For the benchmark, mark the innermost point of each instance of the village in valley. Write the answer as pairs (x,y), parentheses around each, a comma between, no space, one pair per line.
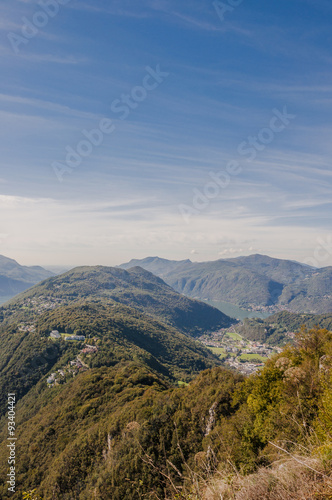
(243,355)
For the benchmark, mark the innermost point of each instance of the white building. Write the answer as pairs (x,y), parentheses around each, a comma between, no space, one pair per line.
(55,334)
(75,337)
(51,378)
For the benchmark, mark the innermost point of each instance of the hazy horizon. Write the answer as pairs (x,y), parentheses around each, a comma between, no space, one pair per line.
(49,266)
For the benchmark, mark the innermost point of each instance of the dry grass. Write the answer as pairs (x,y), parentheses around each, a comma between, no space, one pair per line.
(291,479)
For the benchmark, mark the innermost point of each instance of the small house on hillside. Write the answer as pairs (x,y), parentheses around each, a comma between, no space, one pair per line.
(51,378)
(89,349)
(55,334)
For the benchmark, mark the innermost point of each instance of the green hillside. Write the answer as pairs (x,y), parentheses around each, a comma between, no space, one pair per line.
(104,285)
(115,402)
(123,431)
(92,435)
(135,348)
(120,334)
(274,329)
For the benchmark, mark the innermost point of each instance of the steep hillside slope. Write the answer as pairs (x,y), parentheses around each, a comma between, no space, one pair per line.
(119,333)
(94,436)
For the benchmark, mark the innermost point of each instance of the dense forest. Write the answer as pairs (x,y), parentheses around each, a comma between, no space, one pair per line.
(124,432)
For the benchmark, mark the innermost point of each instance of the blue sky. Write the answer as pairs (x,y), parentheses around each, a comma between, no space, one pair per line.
(134,194)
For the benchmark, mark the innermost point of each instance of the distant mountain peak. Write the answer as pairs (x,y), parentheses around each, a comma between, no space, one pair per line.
(15,278)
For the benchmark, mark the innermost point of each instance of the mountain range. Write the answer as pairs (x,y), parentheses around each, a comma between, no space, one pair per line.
(15,278)
(256,281)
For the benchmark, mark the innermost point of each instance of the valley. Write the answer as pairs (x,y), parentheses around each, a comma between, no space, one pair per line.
(243,355)
(15,278)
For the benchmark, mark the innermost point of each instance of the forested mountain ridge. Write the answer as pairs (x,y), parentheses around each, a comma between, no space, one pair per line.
(249,282)
(120,334)
(96,337)
(136,288)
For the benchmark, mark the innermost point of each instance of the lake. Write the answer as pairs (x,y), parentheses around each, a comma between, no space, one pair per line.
(235,311)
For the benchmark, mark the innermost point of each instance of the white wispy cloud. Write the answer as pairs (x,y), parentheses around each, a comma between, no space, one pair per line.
(47,106)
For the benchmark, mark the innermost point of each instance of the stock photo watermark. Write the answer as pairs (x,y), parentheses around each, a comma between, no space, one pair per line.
(223,8)
(95,137)
(31,27)
(11,475)
(248,149)
(322,252)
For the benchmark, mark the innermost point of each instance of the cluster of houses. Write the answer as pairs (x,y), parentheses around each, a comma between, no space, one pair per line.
(237,350)
(27,328)
(89,349)
(77,363)
(244,368)
(42,303)
(75,366)
(275,308)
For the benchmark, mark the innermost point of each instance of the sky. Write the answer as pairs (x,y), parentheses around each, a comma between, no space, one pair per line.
(192,129)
